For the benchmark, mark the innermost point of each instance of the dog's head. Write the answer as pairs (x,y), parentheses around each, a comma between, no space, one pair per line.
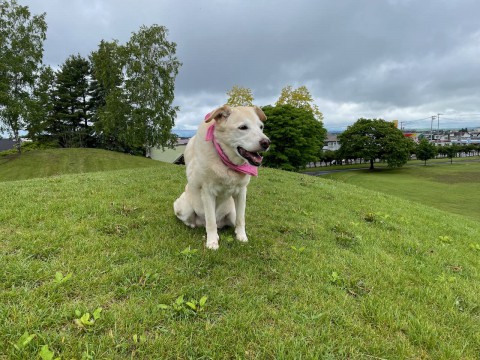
(241,130)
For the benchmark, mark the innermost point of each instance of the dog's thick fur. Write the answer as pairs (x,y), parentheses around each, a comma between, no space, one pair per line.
(215,195)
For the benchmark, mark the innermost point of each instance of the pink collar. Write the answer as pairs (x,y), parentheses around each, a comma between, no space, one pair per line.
(245,168)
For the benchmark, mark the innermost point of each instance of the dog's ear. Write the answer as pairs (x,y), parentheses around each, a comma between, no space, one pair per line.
(222,113)
(260,113)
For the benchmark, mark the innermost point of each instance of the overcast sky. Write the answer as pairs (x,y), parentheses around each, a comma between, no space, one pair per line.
(395,59)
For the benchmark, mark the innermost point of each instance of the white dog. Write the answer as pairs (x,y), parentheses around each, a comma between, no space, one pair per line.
(219,161)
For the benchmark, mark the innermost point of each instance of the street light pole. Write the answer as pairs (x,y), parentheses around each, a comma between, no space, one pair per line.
(431,127)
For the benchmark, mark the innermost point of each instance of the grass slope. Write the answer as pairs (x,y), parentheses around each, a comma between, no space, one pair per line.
(331,271)
(43,163)
(450,187)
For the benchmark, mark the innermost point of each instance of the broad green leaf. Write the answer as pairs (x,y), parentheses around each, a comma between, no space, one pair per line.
(24,340)
(58,276)
(96,313)
(45,353)
(85,320)
(191,305)
(202,301)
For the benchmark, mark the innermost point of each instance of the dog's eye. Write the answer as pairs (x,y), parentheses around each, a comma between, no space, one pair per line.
(243,127)
(261,127)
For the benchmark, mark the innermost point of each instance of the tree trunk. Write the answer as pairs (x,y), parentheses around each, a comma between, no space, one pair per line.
(18,145)
(371,164)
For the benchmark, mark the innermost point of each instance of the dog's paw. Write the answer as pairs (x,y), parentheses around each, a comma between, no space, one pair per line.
(212,245)
(212,242)
(241,236)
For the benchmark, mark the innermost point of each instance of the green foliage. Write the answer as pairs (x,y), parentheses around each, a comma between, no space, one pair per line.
(60,279)
(150,71)
(425,150)
(24,340)
(86,321)
(300,98)
(451,151)
(182,308)
(372,139)
(42,110)
(296,137)
(70,121)
(30,146)
(47,354)
(133,90)
(21,50)
(240,96)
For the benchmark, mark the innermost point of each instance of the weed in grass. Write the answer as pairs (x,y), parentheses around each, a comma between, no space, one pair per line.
(60,279)
(24,340)
(445,239)
(443,278)
(47,354)
(335,279)
(475,247)
(298,249)
(188,252)
(86,321)
(376,217)
(182,309)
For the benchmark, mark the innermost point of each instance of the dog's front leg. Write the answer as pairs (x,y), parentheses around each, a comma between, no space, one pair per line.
(240,203)
(210,219)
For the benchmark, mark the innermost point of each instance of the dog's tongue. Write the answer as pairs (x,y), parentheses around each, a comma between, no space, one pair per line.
(257,158)
(253,158)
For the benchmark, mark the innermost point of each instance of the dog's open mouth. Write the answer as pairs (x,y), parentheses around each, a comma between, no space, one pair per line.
(253,158)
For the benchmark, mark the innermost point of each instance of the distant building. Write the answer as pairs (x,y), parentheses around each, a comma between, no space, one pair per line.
(331,143)
(172,156)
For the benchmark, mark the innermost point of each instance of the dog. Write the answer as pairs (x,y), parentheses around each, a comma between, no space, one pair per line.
(220,159)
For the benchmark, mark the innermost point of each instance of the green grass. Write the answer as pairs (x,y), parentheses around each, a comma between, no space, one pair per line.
(331,271)
(43,163)
(450,187)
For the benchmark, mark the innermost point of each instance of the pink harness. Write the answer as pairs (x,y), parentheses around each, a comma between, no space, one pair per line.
(245,168)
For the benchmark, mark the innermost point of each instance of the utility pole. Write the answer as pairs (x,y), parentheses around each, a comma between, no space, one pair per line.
(431,127)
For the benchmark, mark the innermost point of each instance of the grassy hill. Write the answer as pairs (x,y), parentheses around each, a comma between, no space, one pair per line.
(43,163)
(95,265)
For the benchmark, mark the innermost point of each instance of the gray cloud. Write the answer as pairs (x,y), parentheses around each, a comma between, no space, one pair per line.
(394,59)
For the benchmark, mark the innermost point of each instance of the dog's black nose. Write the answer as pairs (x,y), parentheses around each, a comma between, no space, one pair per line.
(265,144)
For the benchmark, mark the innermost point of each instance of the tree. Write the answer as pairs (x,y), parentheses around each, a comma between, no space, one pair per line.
(70,123)
(425,150)
(41,113)
(134,91)
(451,152)
(108,102)
(299,98)
(150,70)
(21,51)
(240,96)
(373,139)
(296,137)
(328,156)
